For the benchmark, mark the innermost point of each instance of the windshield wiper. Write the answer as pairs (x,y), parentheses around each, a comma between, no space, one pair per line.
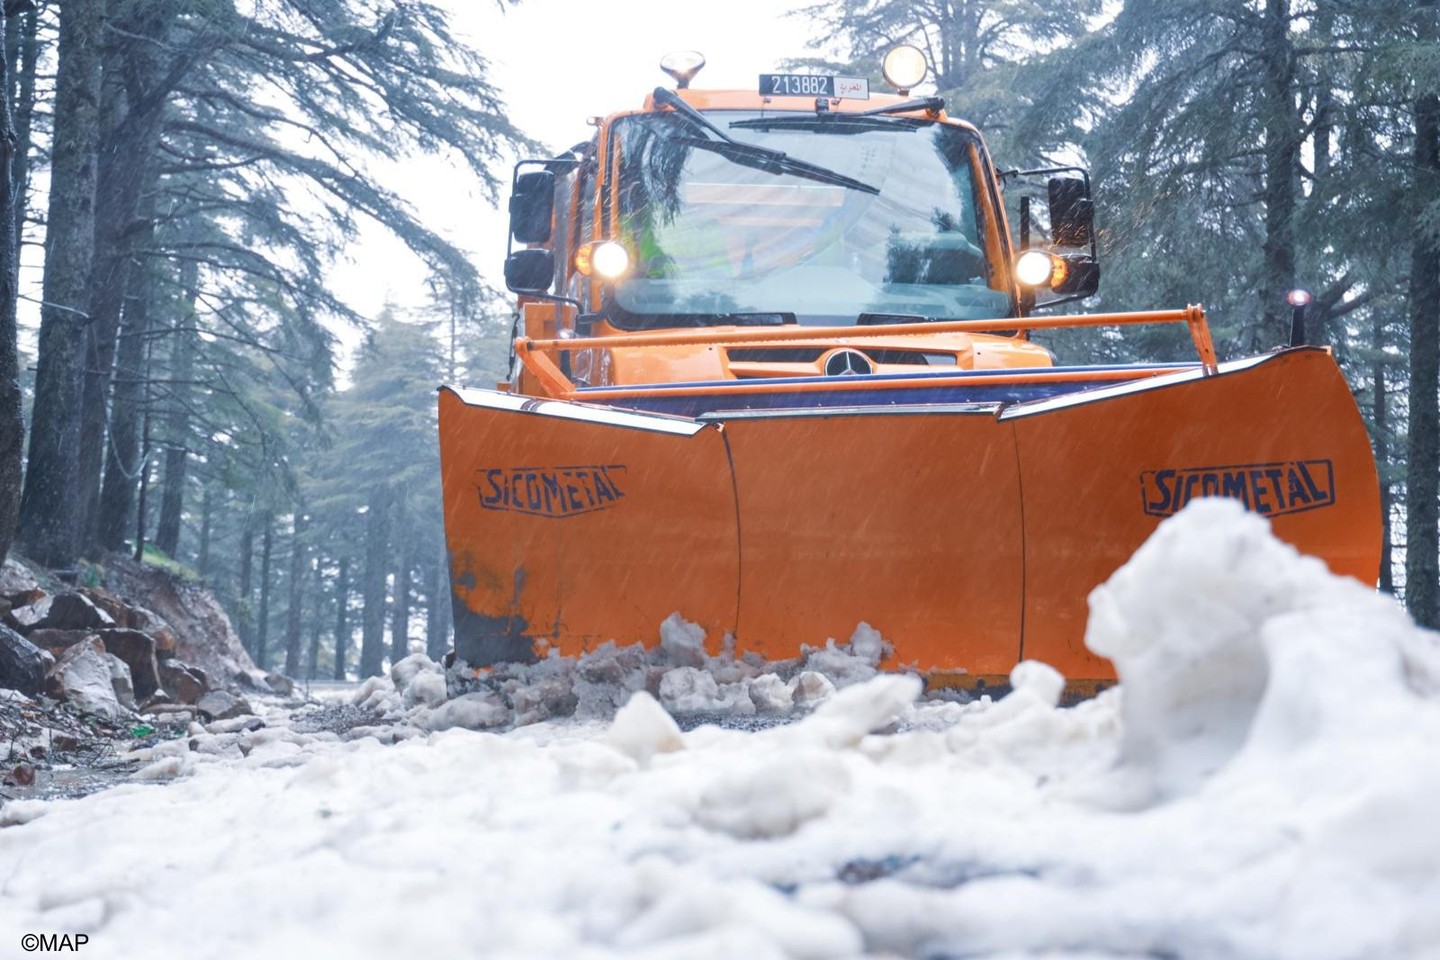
(879,319)
(767,159)
(931,105)
(774,161)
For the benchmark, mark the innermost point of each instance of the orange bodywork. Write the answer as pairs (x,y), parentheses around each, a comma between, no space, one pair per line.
(963,496)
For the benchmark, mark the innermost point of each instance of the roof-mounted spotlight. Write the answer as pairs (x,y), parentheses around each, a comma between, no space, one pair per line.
(905,68)
(682,65)
(1299,299)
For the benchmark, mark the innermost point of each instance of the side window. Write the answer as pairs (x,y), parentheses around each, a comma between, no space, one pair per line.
(584,201)
(562,240)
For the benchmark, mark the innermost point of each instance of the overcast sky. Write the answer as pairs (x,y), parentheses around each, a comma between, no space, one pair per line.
(558,62)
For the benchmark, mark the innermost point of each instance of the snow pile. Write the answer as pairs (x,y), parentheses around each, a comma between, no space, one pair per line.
(678,673)
(1286,814)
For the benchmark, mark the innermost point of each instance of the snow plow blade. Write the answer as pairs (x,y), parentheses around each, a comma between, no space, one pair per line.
(967,523)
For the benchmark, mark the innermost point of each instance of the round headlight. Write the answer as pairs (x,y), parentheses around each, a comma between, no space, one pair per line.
(1034,268)
(610,259)
(905,67)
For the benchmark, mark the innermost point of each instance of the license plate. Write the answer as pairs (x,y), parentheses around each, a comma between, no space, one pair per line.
(808,85)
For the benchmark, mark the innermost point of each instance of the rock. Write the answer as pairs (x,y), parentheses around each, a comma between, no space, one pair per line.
(130,617)
(121,681)
(15,578)
(23,775)
(253,680)
(176,713)
(82,676)
(220,705)
(58,641)
(195,628)
(184,683)
(23,665)
(156,700)
(280,684)
(111,604)
(138,651)
(63,611)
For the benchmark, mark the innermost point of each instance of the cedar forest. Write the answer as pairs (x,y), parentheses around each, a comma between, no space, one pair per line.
(182,400)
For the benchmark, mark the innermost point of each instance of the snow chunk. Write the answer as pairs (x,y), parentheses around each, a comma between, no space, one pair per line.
(377,694)
(402,673)
(642,728)
(1031,678)
(682,641)
(425,688)
(770,694)
(864,708)
(473,711)
(774,799)
(688,690)
(810,688)
(1214,618)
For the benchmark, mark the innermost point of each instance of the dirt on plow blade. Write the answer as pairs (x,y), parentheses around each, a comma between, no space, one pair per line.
(969,532)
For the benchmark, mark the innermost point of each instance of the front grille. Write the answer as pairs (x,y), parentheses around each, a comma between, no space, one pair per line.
(811,354)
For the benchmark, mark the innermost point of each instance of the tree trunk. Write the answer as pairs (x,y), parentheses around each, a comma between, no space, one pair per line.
(131,110)
(312,654)
(12,422)
(400,612)
(244,618)
(342,617)
(122,455)
(262,615)
(1380,416)
(207,510)
(299,565)
(372,623)
(26,56)
(48,511)
(141,518)
(437,617)
(1282,166)
(177,420)
(1422,513)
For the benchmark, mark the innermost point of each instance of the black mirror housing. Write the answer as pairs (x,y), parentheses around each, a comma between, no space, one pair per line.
(1072,212)
(530,271)
(532,207)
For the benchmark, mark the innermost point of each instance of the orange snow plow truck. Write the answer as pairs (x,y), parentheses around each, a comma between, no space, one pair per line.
(774,370)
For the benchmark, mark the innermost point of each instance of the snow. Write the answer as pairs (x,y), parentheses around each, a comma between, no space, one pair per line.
(1261,784)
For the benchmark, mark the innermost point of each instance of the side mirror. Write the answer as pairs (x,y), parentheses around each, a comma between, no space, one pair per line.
(530,271)
(1072,212)
(532,207)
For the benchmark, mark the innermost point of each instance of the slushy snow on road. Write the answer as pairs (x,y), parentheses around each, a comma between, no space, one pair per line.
(1263,783)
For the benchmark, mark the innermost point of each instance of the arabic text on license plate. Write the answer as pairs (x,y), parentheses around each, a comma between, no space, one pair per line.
(805,85)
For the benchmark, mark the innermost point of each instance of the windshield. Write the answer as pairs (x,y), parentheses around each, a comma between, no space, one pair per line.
(871,221)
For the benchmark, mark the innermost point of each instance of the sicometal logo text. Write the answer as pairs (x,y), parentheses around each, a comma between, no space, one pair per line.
(1269,489)
(551,491)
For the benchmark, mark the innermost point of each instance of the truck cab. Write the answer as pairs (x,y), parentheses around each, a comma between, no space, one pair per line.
(807,204)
